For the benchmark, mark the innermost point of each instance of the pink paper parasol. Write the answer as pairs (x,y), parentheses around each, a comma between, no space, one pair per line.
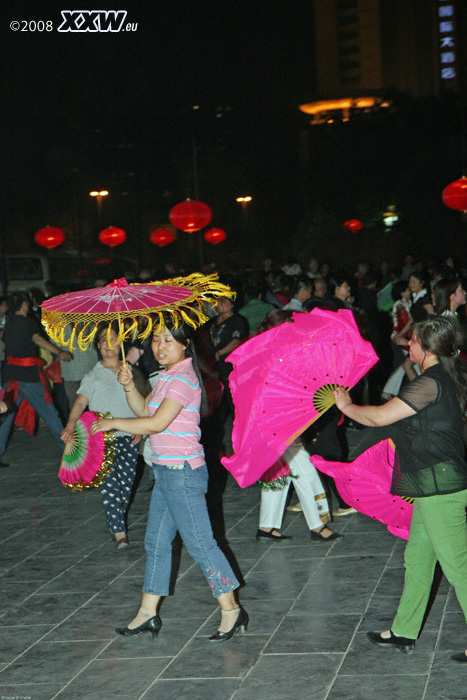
(185,298)
(87,458)
(283,381)
(365,484)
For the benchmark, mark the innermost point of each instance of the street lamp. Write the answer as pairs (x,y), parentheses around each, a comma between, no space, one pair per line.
(98,195)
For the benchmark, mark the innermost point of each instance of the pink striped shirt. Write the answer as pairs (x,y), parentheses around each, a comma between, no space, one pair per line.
(179,442)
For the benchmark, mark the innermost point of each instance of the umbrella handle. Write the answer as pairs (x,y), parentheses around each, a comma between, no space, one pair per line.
(123,345)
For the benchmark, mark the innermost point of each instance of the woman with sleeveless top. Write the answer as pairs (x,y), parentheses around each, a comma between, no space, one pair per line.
(430,466)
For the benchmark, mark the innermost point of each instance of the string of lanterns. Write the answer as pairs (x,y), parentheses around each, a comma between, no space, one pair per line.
(188,216)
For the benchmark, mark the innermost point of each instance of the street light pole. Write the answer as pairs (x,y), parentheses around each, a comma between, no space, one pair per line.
(244,201)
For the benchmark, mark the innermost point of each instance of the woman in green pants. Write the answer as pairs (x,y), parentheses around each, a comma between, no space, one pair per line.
(430,467)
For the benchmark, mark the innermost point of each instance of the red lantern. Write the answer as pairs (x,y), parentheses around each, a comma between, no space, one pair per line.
(112,236)
(455,195)
(352,225)
(49,237)
(190,215)
(215,235)
(162,237)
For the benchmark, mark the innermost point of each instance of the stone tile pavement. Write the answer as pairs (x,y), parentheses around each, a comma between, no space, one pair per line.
(64,587)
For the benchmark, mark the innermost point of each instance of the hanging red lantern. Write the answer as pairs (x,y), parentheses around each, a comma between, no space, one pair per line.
(162,237)
(190,215)
(352,225)
(215,235)
(455,195)
(112,236)
(49,237)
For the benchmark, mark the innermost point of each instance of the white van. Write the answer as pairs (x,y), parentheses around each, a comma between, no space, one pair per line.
(67,270)
(24,271)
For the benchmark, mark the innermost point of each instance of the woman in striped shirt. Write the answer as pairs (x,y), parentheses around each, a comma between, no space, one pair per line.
(171,415)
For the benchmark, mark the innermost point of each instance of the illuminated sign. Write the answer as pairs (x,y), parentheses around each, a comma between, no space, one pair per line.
(447,42)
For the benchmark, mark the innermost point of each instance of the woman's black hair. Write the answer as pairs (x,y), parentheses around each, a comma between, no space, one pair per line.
(397,289)
(442,293)
(273,318)
(184,335)
(437,335)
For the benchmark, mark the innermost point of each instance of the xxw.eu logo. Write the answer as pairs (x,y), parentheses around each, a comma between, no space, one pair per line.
(94,21)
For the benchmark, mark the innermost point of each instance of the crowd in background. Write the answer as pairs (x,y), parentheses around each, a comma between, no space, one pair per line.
(385,300)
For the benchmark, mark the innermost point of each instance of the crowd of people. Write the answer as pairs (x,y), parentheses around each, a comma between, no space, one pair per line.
(415,317)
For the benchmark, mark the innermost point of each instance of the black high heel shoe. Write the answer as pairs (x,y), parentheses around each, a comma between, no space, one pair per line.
(152,625)
(241,623)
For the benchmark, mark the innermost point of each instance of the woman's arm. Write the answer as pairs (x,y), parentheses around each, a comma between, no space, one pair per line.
(408,367)
(43,343)
(230,347)
(76,412)
(162,418)
(429,308)
(398,338)
(372,416)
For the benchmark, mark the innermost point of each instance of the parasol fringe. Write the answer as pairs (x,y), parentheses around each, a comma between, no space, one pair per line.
(147,331)
(85,341)
(131,330)
(159,323)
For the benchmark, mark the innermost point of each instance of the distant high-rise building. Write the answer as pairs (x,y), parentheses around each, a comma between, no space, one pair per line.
(369,50)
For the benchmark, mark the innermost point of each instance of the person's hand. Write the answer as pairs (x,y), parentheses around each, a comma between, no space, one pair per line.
(125,376)
(136,439)
(64,355)
(67,433)
(401,341)
(102,425)
(3,407)
(341,397)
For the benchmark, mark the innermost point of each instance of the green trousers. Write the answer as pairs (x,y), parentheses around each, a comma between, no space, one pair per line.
(438,533)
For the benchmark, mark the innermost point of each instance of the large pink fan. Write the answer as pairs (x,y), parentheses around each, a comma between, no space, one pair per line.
(87,458)
(365,484)
(283,381)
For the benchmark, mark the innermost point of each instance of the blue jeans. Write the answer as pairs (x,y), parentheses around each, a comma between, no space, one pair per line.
(34,393)
(178,503)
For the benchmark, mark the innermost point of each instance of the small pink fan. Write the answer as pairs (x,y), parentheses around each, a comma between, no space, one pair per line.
(87,458)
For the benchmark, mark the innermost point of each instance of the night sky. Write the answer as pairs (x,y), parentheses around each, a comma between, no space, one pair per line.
(88,110)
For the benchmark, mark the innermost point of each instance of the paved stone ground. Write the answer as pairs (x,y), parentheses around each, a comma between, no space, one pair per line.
(64,587)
